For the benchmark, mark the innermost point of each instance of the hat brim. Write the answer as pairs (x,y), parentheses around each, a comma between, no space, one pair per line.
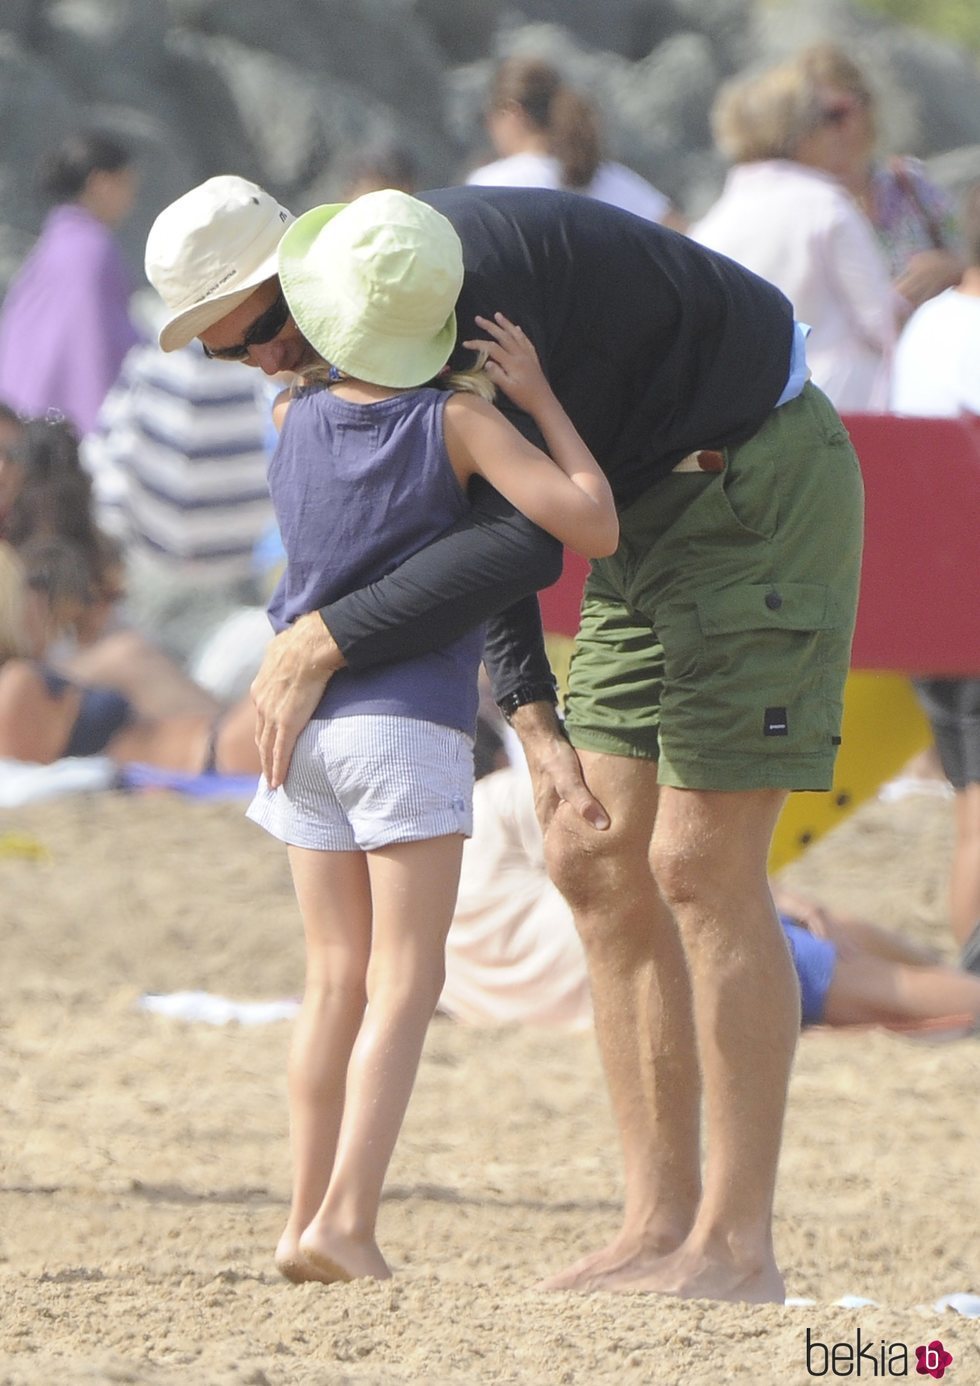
(184,326)
(321,321)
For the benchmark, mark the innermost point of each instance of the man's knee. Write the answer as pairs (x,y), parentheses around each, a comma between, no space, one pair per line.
(712,848)
(592,869)
(681,872)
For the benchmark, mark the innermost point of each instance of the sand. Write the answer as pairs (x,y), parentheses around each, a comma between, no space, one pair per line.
(144,1168)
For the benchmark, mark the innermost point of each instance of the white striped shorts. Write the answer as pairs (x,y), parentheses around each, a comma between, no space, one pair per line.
(364,782)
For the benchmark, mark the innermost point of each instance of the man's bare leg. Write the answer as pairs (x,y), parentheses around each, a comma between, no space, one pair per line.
(642,1006)
(709,856)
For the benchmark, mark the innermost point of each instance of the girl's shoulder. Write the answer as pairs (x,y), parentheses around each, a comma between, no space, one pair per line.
(461,406)
(290,395)
(280,406)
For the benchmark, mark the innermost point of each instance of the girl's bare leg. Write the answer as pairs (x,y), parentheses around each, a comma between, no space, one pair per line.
(413,889)
(334,895)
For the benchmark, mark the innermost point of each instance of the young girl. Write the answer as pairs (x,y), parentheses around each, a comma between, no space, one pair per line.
(372,463)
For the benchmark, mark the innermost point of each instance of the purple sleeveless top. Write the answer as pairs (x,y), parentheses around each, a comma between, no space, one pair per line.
(357,489)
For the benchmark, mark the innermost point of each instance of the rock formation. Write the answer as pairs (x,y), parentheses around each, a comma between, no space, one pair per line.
(286,90)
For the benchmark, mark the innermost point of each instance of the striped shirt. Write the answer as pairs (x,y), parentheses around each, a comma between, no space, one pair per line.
(179,462)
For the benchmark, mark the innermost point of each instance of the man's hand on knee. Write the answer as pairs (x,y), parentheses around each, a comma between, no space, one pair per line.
(556,771)
(297,667)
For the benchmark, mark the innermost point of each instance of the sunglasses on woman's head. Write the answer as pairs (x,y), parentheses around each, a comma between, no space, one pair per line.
(266,326)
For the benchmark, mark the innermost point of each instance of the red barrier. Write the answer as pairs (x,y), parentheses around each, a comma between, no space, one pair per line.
(560,603)
(919,610)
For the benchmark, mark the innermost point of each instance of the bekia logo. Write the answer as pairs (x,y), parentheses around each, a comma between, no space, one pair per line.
(865,1357)
(933,1359)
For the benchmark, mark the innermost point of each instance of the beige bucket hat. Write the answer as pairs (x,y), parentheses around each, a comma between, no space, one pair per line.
(209,250)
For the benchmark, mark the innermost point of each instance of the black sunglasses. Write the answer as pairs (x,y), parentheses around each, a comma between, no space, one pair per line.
(266,326)
(840,112)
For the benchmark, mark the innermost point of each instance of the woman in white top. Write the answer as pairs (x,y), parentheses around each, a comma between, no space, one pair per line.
(783,216)
(548,137)
(915,220)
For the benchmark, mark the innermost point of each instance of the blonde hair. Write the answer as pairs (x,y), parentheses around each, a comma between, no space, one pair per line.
(826,64)
(764,115)
(474,381)
(13,588)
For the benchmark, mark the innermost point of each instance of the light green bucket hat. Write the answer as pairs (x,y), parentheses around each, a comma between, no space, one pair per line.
(372,285)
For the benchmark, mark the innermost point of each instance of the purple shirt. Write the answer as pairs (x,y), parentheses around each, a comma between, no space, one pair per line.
(65,326)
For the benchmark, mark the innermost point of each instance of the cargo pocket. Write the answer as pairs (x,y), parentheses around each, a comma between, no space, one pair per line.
(788,606)
(777,656)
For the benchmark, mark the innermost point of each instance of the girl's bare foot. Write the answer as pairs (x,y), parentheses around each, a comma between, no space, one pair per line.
(337,1257)
(293,1265)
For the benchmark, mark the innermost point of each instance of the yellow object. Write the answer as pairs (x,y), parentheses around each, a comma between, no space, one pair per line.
(20,845)
(884,727)
(559,651)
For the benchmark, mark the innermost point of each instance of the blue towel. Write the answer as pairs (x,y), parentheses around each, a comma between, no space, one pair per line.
(197,786)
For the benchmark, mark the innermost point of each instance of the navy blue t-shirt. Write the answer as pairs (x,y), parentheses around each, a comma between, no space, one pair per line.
(655,345)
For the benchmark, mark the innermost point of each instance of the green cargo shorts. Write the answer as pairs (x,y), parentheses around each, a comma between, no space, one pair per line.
(717,638)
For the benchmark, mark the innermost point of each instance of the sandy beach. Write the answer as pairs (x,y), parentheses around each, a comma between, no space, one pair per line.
(145,1174)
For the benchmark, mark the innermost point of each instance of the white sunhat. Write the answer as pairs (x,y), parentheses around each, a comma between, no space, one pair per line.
(209,250)
(372,285)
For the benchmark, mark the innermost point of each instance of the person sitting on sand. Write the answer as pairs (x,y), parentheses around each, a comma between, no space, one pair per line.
(50,504)
(45,716)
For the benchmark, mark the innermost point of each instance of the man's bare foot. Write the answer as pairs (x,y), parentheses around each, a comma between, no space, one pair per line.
(336,1257)
(690,1274)
(619,1258)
